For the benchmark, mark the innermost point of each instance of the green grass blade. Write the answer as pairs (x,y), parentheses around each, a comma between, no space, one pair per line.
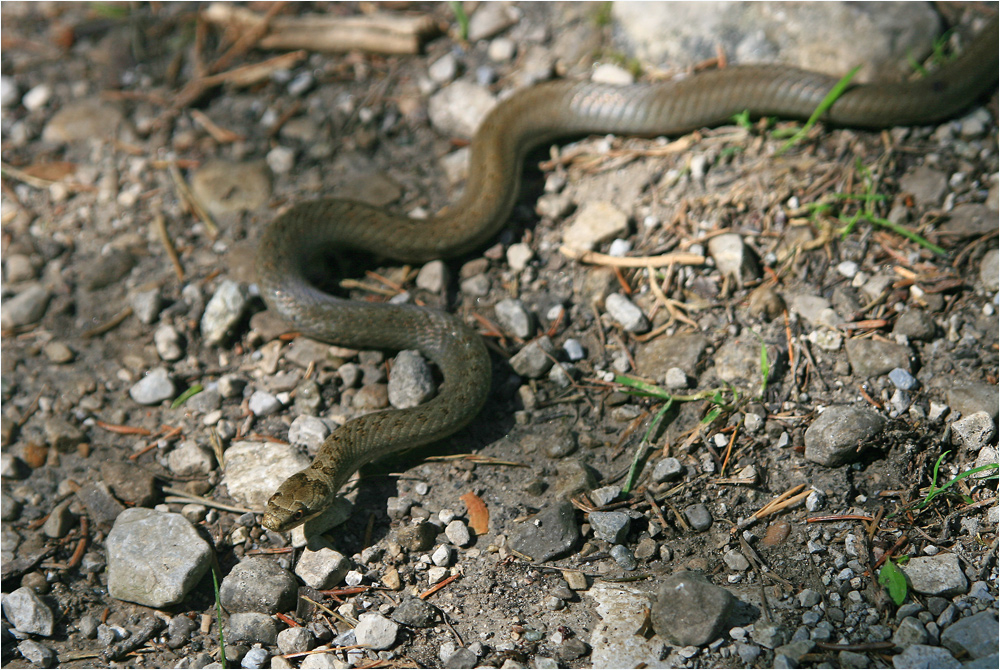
(183,398)
(893,580)
(218,609)
(827,102)
(461,17)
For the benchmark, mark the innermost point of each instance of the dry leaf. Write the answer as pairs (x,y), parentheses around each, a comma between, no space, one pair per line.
(479,515)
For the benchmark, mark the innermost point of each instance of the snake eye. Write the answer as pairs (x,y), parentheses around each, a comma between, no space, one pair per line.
(298,514)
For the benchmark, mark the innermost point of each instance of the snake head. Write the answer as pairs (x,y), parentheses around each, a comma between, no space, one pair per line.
(298,499)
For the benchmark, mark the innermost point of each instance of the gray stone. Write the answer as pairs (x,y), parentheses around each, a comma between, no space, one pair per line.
(376,632)
(154,558)
(462,658)
(60,520)
(927,185)
(223,311)
(489,20)
(989,270)
(625,312)
(262,403)
(871,358)
(973,431)
(147,305)
(28,613)
(308,431)
(258,584)
(515,318)
(251,627)
(155,387)
(970,397)
(974,636)
(623,557)
(903,380)
(415,612)
(689,610)
(667,469)
(254,470)
(605,495)
(549,534)
(735,560)
(924,656)
(256,657)
(809,598)
(107,269)
(433,277)
(26,307)
(411,381)
(595,223)
(228,187)
(699,516)
(916,324)
(84,119)
(833,439)
(458,108)
(191,459)
(323,568)
(612,527)
(102,507)
(458,533)
(653,359)
(295,640)
(38,653)
(733,258)
(534,359)
(770,635)
(417,537)
(939,575)
(910,631)
(574,350)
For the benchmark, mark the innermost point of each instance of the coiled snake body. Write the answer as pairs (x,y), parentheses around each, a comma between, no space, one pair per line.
(297,241)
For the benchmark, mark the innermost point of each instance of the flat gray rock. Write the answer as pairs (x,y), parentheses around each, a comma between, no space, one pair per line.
(550,533)
(254,470)
(924,656)
(154,558)
(833,439)
(28,613)
(251,627)
(975,636)
(691,611)
(939,575)
(258,584)
(871,358)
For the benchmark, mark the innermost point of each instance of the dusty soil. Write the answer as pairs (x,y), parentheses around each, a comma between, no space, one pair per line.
(372,120)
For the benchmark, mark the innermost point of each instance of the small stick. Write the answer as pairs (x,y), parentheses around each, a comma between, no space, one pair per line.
(437,587)
(123,430)
(595,258)
(109,325)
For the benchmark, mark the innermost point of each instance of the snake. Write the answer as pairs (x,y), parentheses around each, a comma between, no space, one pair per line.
(294,250)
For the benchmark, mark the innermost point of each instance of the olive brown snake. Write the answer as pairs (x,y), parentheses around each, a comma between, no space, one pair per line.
(298,241)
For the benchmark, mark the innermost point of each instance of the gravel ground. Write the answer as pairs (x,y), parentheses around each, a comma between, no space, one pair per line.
(791,522)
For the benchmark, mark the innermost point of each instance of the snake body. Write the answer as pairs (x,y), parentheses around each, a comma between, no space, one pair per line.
(296,244)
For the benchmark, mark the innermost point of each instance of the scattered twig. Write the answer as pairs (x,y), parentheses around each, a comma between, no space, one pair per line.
(595,258)
(108,325)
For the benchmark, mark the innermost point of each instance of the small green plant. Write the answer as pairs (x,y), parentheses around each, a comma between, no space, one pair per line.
(936,490)
(461,18)
(824,105)
(894,581)
(183,398)
(743,120)
(218,609)
(643,389)
(602,15)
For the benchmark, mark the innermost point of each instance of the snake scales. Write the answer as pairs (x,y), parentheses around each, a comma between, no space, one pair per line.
(296,243)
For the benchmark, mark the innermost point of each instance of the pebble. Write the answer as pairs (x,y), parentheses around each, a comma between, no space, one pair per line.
(308,431)
(925,184)
(735,560)
(970,397)
(155,387)
(989,270)
(733,258)
(699,516)
(433,277)
(477,286)
(168,342)
(605,495)
(626,313)
(833,438)
(444,69)
(154,558)
(375,631)
(323,568)
(519,255)
(974,431)
(9,92)
(623,557)
(255,658)
(83,120)
(258,584)
(58,353)
(612,527)
(500,50)
(574,350)
(609,73)
(924,656)
(463,657)
(411,382)
(458,108)
(38,653)
(442,556)
(223,311)
(416,613)
(667,469)
(28,613)
(690,610)
(26,307)
(251,627)
(550,533)
(417,537)
(595,223)
(871,358)
(515,318)
(254,470)
(458,533)
(903,380)
(262,403)
(915,324)
(972,636)
(295,640)
(909,632)
(59,521)
(939,575)
(534,360)
(490,19)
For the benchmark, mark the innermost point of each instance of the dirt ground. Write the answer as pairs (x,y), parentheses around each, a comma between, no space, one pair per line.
(84,220)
